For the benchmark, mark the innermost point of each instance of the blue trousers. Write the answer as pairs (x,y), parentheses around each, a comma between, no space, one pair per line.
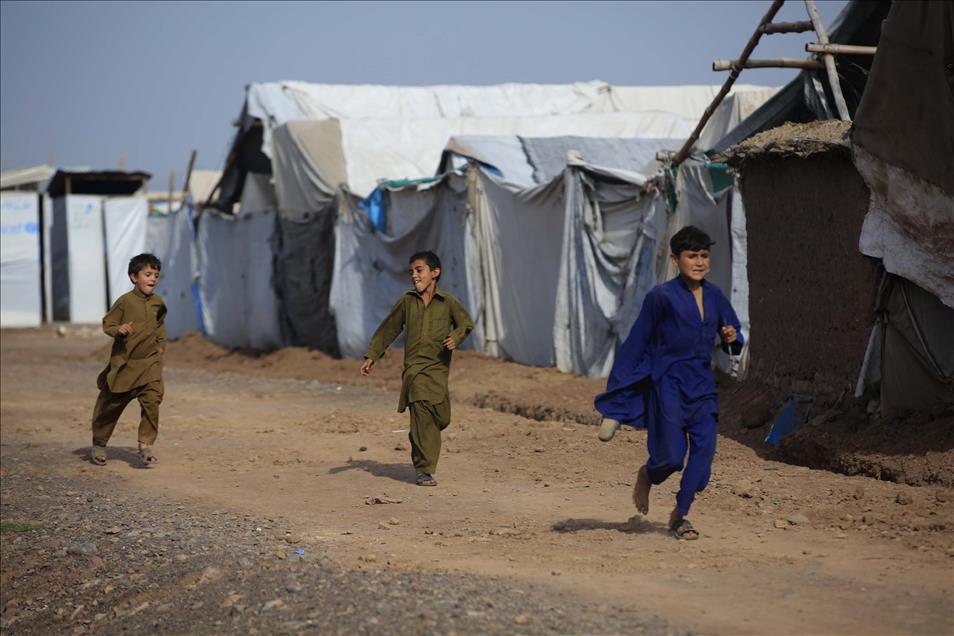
(668,444)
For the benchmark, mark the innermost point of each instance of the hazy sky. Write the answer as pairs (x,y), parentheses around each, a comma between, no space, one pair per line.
(87,82)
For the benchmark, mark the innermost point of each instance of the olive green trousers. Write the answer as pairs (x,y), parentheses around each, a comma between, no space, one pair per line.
(427,422)
(109,406)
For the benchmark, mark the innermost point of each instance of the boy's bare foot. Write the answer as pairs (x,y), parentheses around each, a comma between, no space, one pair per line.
(608,429)
(641,491)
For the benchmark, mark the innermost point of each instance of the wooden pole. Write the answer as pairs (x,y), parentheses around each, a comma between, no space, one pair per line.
(829,60)
(787,27)
(840,49)
(782,62)
(734,75)
(172,187)
(122,162)
(188,177)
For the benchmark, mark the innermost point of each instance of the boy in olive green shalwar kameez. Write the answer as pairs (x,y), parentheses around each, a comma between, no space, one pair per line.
(136,322)
(434,323)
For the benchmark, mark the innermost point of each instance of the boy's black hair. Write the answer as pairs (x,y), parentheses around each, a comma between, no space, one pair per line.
(433,260)
(689,238)
(139,261)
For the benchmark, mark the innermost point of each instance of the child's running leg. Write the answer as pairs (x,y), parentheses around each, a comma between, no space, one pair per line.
(150,397)
(702,445)
(667,446)
(427,422)
(109,406)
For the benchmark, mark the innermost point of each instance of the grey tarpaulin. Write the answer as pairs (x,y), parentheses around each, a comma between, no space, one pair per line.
(520,232)
(370,270)
(170,237)
(722,216)
(304,264)
(236,266)
(611,230)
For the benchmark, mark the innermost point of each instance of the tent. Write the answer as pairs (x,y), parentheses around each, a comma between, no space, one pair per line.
(98,223)
(553,272)
(903,147)
(270,105)
(21,289)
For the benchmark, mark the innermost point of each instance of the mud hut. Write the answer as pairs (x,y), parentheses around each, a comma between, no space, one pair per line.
(811,293)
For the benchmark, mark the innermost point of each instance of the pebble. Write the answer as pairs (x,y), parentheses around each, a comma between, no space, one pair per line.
(394,521)
(521,619)
(85,548)
(113,530)
(798,519)
(293,587)
(903,499)
(273,604)
(781,524)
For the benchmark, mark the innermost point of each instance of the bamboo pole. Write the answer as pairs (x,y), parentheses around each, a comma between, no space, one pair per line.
(188,177)
(829,60)
(840,49)
(727,85)
(782,62)
(787,27)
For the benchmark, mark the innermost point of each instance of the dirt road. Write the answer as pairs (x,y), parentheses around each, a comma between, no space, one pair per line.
(299,441)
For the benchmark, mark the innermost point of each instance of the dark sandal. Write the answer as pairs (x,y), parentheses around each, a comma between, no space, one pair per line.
(98,455)
(683,530)
(147,456)
(425,480)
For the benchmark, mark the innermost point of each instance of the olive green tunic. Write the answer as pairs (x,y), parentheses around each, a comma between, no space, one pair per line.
(135,359)
(426,360)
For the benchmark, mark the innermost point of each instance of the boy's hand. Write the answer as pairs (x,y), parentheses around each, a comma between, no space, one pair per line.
(366,367)
(728,334)
(449,343)
(126,328)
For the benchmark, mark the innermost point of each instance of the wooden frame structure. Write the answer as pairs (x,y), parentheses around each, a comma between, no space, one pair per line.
(823,48)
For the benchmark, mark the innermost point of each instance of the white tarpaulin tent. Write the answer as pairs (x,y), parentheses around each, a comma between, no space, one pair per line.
(125,223)
(20,271)
(552,273)
(171,238)
(450,110)
(236,272)
(370,269)
(77,259)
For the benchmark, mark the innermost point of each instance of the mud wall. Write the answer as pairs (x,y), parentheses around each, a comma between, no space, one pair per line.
(811,291)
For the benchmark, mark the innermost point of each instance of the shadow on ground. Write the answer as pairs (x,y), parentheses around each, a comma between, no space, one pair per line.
(633,525)
(397,472)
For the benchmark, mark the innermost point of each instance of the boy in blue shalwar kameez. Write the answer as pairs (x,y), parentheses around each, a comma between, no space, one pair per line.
(662,377)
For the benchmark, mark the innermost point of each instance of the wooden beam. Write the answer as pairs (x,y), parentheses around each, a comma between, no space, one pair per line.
(188,177)
(829,60)
(727,85)
(840,49)
(782,62)
(787,27)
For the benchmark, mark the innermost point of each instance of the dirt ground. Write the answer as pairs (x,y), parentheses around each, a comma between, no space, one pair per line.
(283,502)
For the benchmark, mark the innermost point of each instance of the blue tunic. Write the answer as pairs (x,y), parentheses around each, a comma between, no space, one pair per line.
(663,368)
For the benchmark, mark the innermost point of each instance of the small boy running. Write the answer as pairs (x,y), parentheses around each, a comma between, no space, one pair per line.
(434,323)
(136,322)
(662,377)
